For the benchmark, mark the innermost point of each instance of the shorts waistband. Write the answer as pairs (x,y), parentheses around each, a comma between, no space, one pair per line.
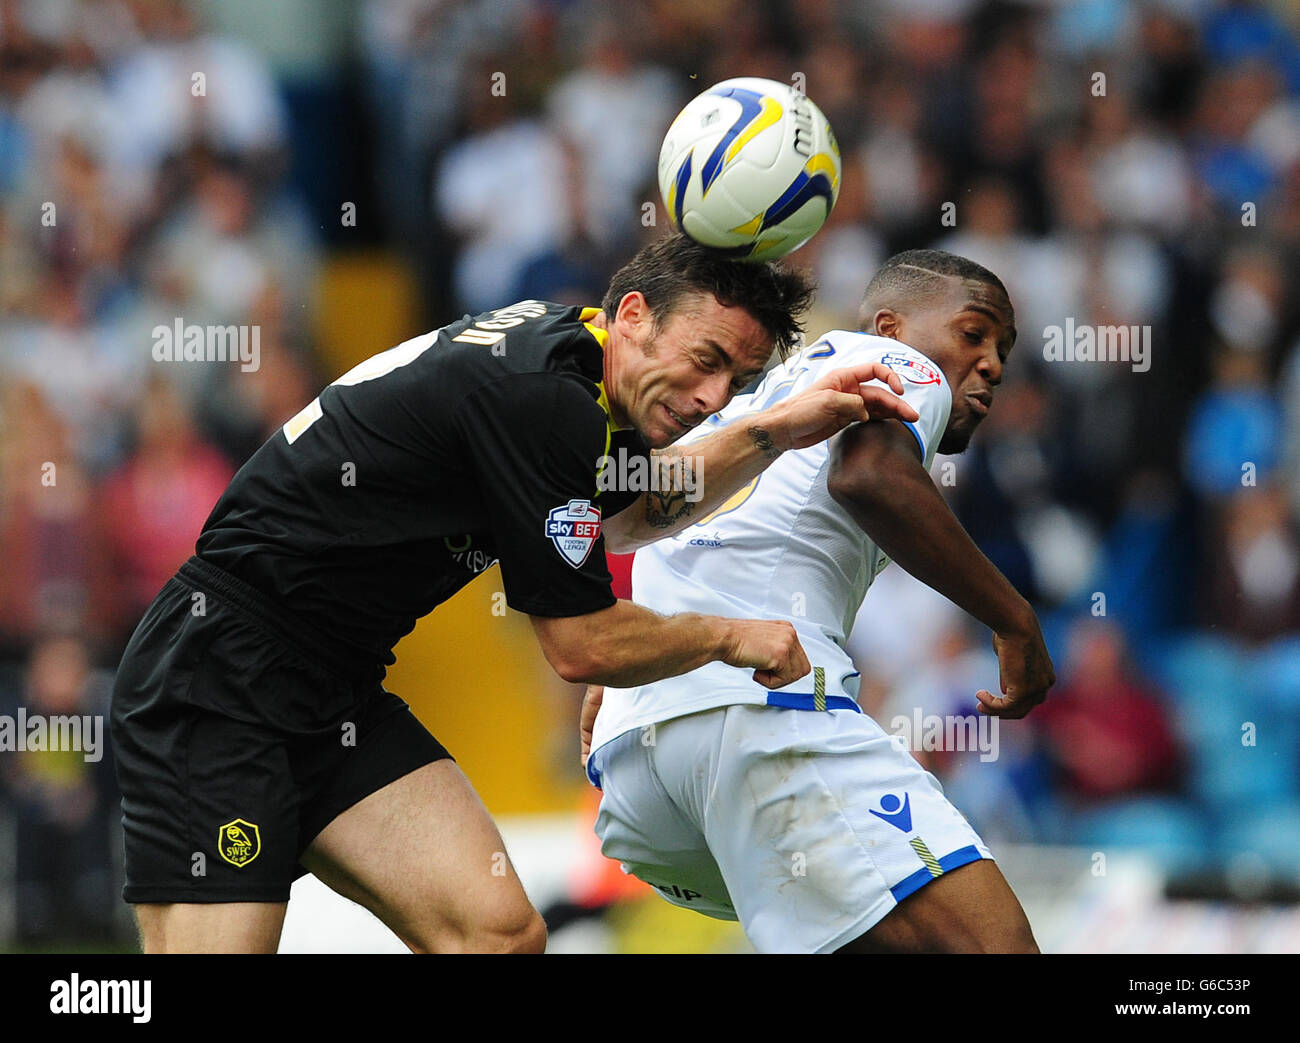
(307,641)
(811,701)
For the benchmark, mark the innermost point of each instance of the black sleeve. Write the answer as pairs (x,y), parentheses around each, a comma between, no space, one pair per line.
(534,440)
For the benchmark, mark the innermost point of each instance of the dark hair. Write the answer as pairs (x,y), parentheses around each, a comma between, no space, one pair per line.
(674,266)
(914,276)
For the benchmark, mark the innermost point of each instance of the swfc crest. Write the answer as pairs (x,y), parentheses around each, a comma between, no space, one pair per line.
(239,842)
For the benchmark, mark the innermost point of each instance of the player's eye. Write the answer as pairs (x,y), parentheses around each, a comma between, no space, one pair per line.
(975,336)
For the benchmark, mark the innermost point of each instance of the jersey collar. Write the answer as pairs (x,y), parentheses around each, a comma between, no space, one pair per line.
(602,338)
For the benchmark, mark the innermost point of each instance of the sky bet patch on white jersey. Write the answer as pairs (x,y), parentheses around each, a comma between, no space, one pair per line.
(910,368)
(574,529)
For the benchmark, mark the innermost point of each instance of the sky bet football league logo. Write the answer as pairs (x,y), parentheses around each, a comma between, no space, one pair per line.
(574,529)
(913,370)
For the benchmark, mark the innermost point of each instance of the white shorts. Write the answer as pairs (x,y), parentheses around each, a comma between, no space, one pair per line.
(808,827)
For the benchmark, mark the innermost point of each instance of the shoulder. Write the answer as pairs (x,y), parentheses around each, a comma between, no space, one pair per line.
(529,336)
(537,395)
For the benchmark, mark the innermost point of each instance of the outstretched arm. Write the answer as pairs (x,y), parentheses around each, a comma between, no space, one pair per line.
(877,476)
(696,479)
(627,645)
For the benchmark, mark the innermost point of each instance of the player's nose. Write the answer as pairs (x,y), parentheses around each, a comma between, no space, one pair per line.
(712,393)
(990,367)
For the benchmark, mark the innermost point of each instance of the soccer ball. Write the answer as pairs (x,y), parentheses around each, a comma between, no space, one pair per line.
(751,168)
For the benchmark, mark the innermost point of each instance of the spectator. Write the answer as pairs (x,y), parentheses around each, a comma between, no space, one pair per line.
(1107,731)
(64,799)
(155,505)
(1251,587)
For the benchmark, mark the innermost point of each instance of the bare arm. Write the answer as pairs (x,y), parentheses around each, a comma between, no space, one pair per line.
(694,480)
(877,476)
(627,645)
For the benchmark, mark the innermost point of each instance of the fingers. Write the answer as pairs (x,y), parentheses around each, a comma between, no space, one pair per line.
(587,721)
(887,374)
(999,705)
(851,381)
(795,667)
(881,405)
(850,407)
(1012,706)
(771,649)
(865,372)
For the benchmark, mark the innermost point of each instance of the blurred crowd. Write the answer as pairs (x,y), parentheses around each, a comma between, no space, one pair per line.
(1116,163)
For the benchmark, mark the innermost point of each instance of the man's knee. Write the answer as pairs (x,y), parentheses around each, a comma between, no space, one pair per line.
(517,932)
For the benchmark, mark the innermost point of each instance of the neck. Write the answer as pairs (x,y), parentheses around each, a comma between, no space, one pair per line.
(609,374)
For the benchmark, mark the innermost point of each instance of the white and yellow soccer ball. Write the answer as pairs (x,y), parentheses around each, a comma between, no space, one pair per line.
(750,167)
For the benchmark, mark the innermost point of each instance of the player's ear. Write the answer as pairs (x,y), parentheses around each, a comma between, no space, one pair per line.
(632,310)
(886,323)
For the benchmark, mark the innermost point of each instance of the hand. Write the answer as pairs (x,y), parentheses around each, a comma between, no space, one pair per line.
(1027,674)
(772,647)
(833,403)
(587,721)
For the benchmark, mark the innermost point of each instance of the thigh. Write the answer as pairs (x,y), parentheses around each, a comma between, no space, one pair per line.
(383,742)
(822,826)
(424,856)
(231,927)
(970,909)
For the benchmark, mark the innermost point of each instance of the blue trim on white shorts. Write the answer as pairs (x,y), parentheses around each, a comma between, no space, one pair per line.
(801,701)
(910,885)
(783,700)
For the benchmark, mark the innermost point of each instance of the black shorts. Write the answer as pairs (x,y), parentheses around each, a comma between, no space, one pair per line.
(238,737)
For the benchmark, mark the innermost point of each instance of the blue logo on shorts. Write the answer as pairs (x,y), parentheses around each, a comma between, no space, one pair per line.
(896,812)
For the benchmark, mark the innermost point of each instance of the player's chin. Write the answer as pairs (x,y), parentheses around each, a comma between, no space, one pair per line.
(658,439)
(957,438)
(663,437)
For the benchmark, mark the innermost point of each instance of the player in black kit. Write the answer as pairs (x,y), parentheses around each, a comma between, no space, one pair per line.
(254,740)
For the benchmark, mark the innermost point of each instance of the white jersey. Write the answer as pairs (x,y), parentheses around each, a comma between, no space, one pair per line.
(780,548)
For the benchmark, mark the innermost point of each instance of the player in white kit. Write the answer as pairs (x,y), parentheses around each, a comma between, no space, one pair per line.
(791,810)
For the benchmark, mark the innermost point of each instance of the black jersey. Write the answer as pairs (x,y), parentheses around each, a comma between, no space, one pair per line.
(423,465)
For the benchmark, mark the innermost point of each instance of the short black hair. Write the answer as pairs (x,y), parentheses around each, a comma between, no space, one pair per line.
(674,266)
(914,276)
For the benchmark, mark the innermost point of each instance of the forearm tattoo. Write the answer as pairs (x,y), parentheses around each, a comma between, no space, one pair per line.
(673,493)
(763,442)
